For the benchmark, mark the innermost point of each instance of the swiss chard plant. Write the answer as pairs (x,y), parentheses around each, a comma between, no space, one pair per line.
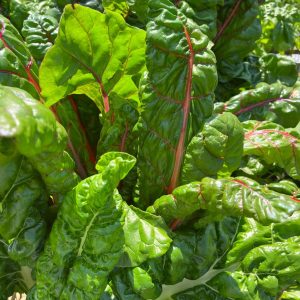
(148,150)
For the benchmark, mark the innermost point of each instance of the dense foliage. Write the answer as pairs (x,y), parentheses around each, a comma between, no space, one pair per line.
(149,149)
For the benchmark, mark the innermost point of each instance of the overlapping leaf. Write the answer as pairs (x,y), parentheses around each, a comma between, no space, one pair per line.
(216,151)
(275,102)
(101,56)
(88,238)
(225,197)
(17,67)
(33,167)
(274,144)
(238,30)
(176,94)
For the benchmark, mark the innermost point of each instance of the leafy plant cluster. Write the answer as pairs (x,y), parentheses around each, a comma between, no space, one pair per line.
(149,150)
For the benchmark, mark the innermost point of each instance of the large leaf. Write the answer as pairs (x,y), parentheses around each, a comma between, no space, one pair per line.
(34,166)
(216,151)
(177,96)
(250,270)
(91,233)
(274,144)
(225,197)
(275,102)
(98,55)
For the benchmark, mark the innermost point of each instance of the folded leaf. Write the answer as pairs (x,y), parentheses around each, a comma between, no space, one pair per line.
(145,235)
(275,102)
(33,167)
(216,151)
(274,144)
(37,136)
(225,197)
(92,232)
(176,94)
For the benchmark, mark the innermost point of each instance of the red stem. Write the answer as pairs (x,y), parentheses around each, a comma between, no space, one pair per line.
(186,110)
(1,35)
(81,171)
(124,137)
(228,20)
(89,149)
(262,103)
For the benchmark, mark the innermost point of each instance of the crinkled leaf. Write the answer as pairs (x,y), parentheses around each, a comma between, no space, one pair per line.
(39,32)
(135,284)
(277,67)
(203,12)
(94,228)
(145,235)
(216,151)
(33,167)
(75,263)
(275,102)
(119,6)
(177,96)
(225,197)
(17,67)
(37,136)
(274,144)
(238,29)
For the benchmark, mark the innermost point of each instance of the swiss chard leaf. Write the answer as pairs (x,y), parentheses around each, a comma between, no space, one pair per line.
(17,67)
(238,29)
(98,55)
(77,263)
(177,96)
(216,151)
(225,197)
(274,144)
(275,102)
(33,167)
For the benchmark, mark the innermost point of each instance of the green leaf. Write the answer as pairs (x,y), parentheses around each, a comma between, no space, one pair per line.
(216,151)
(119,6)
(225,197)
(39,32)
(10,278)
(37,136)
(33,167)
(17,67)
(278,68)
(176,94)
(98,55)
(75,263)
(292,293)
(276,103)
(238,30)
(135,284)
(94,228)
(145,235)
(202,12)
(274,144)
